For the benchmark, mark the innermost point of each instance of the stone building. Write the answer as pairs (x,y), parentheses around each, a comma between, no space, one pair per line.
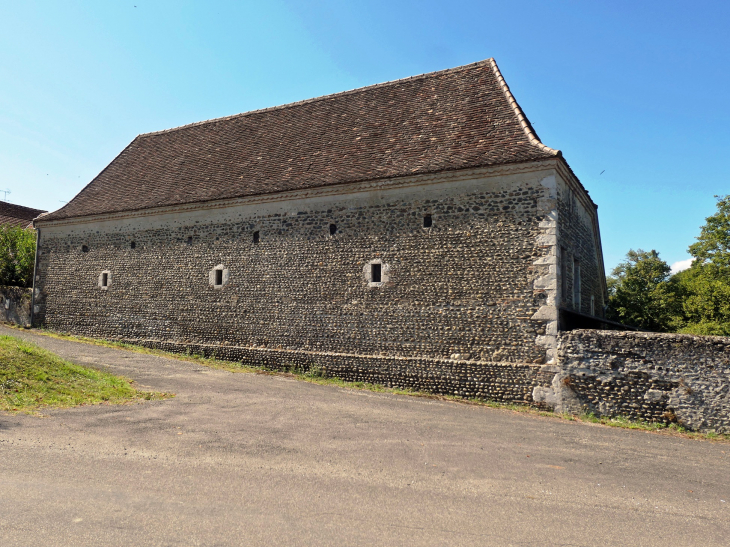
(414,233)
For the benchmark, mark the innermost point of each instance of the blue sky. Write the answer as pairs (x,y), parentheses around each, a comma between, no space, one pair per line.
(637,91)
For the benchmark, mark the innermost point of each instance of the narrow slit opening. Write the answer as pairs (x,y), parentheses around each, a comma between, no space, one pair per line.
(427,221)
(132,245)
(333,229)
(219,277)
(104,279)
(375,271)
(255,238)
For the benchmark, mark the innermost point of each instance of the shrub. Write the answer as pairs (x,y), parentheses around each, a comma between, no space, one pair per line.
(17,256)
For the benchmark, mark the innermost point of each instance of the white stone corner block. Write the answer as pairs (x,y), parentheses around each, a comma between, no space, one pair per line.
(546,240)
(551,183)
(548,259)
(544,395)
(546,313)
(545,282)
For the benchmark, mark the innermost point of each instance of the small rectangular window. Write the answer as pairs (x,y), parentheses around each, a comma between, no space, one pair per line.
(427,221)
(576,285)
(563,274)
(593,305)
(375,273)
(105,280)
(190,240)
(219,277)
(255,238)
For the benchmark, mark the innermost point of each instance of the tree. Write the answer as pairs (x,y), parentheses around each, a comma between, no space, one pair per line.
(704,288)
(17,256)
(713,243)
(704,293)
(641,293)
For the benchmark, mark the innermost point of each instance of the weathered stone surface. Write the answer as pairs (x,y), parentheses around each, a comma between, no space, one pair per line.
(15,305)
(666,378)
(465,306)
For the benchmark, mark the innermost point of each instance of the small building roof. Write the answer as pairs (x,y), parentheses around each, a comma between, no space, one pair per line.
(17,215)
(459,118)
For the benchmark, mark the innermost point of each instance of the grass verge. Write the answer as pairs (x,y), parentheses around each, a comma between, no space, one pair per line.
(32,378)
(315,376)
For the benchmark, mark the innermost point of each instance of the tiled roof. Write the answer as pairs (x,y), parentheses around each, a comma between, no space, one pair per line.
(17,215)
(453,119)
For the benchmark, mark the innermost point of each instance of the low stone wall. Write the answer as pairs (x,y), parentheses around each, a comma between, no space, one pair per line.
(507,382)
(667,378)
(15,305)
(664,378)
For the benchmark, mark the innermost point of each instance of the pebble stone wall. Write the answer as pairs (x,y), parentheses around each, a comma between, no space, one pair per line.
(506,382)
(576,236)
(15,305)
(453,316)
(666,378)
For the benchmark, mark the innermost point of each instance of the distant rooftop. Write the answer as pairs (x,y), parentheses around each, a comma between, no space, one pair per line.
(459,118)
(17,215)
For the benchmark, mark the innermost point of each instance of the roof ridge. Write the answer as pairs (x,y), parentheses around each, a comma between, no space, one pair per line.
(332,95)
(524,122)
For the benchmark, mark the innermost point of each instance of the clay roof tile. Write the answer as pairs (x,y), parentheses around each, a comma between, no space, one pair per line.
(459,118)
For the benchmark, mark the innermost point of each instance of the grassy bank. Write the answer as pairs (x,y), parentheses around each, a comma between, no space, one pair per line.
(32,378)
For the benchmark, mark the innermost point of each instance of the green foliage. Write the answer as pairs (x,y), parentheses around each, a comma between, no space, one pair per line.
(695,301)
(17,256)
(713,243)
(640,292)
(705,288)
(31,377)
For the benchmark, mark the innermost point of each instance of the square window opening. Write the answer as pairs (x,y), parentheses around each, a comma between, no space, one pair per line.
(427,221)
(375,273)
(219,277)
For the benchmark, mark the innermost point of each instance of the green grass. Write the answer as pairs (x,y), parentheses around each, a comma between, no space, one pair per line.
(317,376)
(32,378)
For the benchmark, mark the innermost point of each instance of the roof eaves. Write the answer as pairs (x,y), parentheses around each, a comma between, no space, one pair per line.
(43,217)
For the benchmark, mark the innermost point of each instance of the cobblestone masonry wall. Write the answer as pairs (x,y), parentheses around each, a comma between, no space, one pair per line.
(461,291)
(15,305)
(507,382)
(646,376)
(576,236)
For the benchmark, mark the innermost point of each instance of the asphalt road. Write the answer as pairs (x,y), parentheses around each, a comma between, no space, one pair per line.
(249,459)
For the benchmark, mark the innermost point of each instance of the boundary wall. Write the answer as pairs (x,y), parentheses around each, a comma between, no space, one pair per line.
(15,305)
(496,381)
(654,377)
